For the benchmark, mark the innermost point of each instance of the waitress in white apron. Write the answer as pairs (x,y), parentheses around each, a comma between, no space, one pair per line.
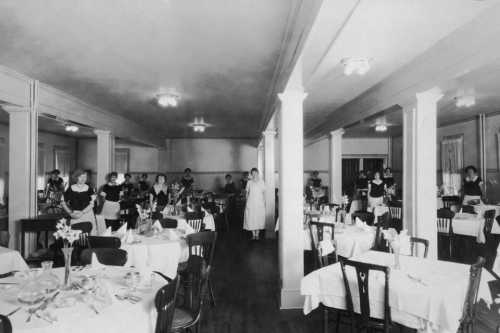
(78,200)
(112,193)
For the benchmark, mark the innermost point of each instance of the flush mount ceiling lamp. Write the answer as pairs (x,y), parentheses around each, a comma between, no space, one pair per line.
(166,100)
(199,125)
(360,66)
(465,98)
(71,128)
(381,128)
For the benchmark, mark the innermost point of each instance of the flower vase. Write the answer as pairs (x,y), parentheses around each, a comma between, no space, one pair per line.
(396,249)
(67,251)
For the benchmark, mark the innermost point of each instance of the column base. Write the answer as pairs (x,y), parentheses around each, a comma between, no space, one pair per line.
(291,299)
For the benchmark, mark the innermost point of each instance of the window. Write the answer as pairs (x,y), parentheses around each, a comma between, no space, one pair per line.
(62,162)
(122,158)
(452,163)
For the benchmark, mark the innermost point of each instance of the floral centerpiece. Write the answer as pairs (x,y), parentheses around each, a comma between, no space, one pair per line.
(68,236)
(395,241)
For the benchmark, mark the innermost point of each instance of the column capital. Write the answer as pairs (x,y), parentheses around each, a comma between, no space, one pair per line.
(292,96)
(432,95)
(10,108)
(336,133)
(100,132)
(269,133)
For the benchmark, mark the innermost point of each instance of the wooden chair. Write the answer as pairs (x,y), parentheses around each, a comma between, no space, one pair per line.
(414,241)
(165,306)
(468,312)
(4,238)
(5,324)
(110,257)
(468,209)
(364,320)
(379,244)
(44,227)
(99,242)
(202,244)
(195,220)
(188,314)
(450,200)
(168,223)
(490,245)
(445,227)
(395,213)
(318,234)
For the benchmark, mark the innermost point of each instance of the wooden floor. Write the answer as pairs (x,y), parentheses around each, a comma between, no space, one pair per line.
(246,286)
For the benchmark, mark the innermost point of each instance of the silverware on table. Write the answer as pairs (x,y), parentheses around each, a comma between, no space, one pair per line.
(12,312)
(41,307)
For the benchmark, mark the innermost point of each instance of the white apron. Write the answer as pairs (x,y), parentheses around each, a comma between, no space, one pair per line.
(255,210)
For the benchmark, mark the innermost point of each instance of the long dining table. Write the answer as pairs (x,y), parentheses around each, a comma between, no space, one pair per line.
(424,294)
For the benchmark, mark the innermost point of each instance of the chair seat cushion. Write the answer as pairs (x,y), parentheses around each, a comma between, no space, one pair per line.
(182,318)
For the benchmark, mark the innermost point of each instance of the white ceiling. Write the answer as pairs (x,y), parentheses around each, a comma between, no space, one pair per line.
(389,32)
(219,55)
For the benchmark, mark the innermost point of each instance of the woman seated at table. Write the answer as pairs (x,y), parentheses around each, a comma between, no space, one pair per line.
(472,186)
(159,193)
(111,193)
(376,191)
(78,200)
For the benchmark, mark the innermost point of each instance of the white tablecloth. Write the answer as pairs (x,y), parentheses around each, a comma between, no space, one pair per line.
(11,260)
(118,317)
(161,253)
(432,306)
(472,225)
(350,240)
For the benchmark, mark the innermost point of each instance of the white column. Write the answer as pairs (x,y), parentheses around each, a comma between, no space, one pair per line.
(408,169)
(291,180)
(105,155)
(23,143)
(422,122)
(269,178)
(335,166)
(260,158)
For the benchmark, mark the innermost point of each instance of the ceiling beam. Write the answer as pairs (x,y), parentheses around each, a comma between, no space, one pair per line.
(14,90)
(467,48)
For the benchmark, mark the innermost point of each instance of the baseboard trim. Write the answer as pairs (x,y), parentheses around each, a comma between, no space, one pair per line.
(291,299)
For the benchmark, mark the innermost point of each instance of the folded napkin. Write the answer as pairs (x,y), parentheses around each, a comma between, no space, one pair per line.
(107,232)
(189,209)
(95,262)
(157,226)
(129,237)
(326,247)
(362,225)
(122,230)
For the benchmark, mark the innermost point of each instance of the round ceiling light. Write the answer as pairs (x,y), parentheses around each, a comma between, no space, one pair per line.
(167,100)
(71,128)
(360,66)
(199,125)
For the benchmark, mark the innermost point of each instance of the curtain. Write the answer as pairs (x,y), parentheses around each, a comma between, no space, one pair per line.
(452,164)
(62,162)
(122,157)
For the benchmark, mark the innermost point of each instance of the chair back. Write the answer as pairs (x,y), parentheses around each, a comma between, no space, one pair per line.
(450,200)
(202,244)
(86,229)
(4,238)
(414,241)
(99,242)
(468,313)
(468,209)
(384,220)
(44,227)
(168,223)
(5,324)
(366,217)
(362,271)
(395,215)
(195,220)
(165,306)
(444,221)
(395,211)
(195,276)
(319,232)
(489,217)
(110,257)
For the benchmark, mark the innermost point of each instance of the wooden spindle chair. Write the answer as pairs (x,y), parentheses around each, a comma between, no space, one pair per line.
(468,312)
(490,245)
(414,241)
(363,321)
(165,306)
(195,220)
(445,228)
(319,232)
(395,212)
(450,201)
(40,227)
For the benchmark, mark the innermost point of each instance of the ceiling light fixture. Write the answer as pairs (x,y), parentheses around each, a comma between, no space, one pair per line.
(199,125)
(360,66)
(167,100)
(71,128)
(381,128)
(465,100)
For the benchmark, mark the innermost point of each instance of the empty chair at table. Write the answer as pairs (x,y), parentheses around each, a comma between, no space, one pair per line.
(364,321)
(468,209)
(366,217)
(395,212)
(451,202)
(468,312)
(195,220)
(414,242)
(99,242)
(165,306)
(445,229)
(323,243)
(43,228)
(105,256)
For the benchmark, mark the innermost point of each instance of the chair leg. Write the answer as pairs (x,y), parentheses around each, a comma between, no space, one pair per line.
(337,324)
(211,291)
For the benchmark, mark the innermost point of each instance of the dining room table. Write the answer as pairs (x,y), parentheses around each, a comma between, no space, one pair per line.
(11,260)
(468,224)
(424,294)
(109,304)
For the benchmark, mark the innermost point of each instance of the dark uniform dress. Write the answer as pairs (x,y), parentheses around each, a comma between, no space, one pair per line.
(376,195)
(472,190)
(78,201)
(111,207)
